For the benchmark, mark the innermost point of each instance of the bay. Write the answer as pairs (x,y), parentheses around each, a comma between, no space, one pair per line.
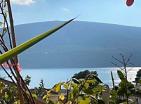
(56,75)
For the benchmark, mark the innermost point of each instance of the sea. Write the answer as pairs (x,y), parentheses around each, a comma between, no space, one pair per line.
(55,75)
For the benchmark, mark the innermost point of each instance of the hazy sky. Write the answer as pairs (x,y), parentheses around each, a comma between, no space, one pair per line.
(104,11)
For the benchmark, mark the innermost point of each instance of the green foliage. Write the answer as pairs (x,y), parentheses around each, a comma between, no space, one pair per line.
(78,91)
(113,82)
(1,23)
(34,95)
(122,88)
(84,74)
(121,75)
(8,93)
(57,87)
(138,74)
(84,100)
(39,91)
(114,97)
(27,80)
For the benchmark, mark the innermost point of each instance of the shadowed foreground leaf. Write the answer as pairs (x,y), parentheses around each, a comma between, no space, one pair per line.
(22,47)
(120,75)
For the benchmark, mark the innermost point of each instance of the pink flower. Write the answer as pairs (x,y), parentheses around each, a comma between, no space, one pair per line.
(19,68)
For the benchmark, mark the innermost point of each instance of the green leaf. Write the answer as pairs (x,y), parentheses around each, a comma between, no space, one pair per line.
(34,96)
(99,89)
(98,80)
(66,85)
(62,96)
(75,80)
(140,81)
(113,82)
(6,96)
(45,97)
(75,89)
(5,30)
(1,24)
(17,102)
(57,87)
(86,100)
(22,47)
(121,75)
(1,85)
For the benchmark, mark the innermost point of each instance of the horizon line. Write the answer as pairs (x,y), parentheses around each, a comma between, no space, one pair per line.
(77,21)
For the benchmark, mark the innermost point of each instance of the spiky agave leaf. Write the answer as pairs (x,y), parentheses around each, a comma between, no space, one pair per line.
(22,47)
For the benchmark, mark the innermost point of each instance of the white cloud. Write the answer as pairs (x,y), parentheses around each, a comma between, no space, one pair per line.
(66,10)
(22,2)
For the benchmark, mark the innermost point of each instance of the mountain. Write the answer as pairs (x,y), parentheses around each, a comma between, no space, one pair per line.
(79,44)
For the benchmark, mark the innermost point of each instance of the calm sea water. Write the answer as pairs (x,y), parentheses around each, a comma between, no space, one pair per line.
(52,76)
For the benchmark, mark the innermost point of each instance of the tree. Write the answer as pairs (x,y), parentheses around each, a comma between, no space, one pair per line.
(83,74)
(87,73)
(138,75)
(125,87)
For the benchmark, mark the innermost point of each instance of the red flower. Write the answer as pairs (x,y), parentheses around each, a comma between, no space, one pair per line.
(19,68)
(129,2)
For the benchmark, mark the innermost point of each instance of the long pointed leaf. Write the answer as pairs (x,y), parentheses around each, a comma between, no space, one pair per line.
(113,79)
(121,75)
(22,47)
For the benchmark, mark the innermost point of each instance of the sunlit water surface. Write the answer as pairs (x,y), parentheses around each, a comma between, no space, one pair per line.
(52,76)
